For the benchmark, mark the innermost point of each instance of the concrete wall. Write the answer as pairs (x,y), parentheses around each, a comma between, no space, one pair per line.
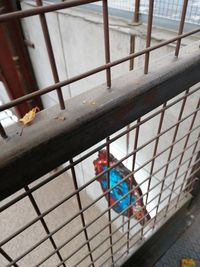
(7,117)
(78,44)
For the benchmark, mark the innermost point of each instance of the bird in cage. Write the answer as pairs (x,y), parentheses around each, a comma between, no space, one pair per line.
(125,196)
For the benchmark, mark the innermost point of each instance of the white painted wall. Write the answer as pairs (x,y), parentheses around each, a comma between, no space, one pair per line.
(77,39)
(7,117)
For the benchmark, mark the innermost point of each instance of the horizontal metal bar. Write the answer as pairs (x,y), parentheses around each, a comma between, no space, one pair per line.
(102,240)
(43,9)
(44,224)
(124,244)
(159,242)
(175,206)
(138,239)
(107,238)
(61,246)
(93,71)
(123,223)
(132,152)
(56,141)
(137,223)
(82,158)
(124,234)
(128,102)
(167,187)
(134,233)
(80,231)
(75,192)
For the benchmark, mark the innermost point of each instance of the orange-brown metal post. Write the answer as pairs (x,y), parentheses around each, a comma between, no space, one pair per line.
(136,11)
(9,75)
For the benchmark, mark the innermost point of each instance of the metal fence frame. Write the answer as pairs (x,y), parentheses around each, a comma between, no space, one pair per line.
(135,14)
(132,98)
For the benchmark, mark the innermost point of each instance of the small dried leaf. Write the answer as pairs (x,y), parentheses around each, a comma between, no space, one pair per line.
(30,116)
(188,263)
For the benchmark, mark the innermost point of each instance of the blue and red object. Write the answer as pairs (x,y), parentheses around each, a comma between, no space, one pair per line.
(117,174)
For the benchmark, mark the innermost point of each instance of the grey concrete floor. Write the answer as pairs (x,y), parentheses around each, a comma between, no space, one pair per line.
(23,212)
(187,246)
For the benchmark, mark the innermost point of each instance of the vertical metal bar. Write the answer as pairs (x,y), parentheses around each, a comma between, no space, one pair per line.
(109,202)
(185,177)
(154,154)
(148,37)
(9,74)
(37,210)
(81,213)
(170,152)
(50,54)
(182,155)
(176,131)
(155,150)
(3,253)
(127,150)
(19,50)
(131,181)
(181,26)
(3,132)
(131,67)
(127,139)
(194,168)
(132,51)
(106,40)
(136,11)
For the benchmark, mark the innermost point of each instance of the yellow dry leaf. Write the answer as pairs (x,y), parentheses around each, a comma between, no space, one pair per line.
(188,263)
(30,116)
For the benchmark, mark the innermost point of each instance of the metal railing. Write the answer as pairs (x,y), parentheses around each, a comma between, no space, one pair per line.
(72,229)
(41,10)
(169,9)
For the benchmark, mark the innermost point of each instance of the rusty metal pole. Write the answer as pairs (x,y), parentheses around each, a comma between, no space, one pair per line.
(50,53)
(137,11)
(192,180)
(20,52)
(181,26)
(148,38)
(9,74)
(132,51)
(132,37)
(106,41)
(3,132)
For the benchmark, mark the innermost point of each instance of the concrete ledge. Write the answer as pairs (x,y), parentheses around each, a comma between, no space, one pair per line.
(90,117)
